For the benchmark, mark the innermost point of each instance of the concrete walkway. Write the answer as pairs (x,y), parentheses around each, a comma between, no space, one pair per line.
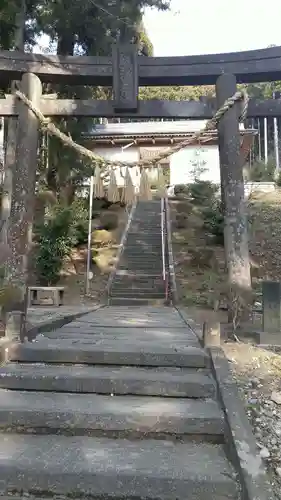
(129,404)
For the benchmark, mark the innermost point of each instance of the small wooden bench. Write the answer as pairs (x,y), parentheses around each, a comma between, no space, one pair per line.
(56,292)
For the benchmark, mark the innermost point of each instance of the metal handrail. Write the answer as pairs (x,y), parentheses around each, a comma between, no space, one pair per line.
(171,270)
(120,250)
(165,270)
(163,239)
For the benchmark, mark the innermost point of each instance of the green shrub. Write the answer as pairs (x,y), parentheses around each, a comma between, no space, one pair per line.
(109,221)
(202,192)
(278,180)
(55,239)
(99,204)
(81,233)
(181,189)
(214,222)
(184,207)
(79,222)
(181,221)
(261,172)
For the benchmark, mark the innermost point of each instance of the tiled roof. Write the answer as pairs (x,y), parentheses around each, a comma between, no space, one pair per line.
(138,129)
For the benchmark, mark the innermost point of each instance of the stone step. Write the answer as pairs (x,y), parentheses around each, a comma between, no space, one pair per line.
(139,266)
(141,339)
(138,279)
(129,302)
(147,258)
(140,252)
(138,282)
(148,223)
(128,335)
(150,316)
(143,233)
(169,382)
(180,332)
(139,255)
(141,277)
(139,225)
(135,285)
(137,294)
(136,244)
(113,352)
(151,237)
(128,292)
(109,468)
(140,247)
(147,248)
(120,414)
(145,284)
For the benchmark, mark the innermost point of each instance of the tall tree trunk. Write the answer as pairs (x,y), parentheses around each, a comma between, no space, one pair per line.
(9,162)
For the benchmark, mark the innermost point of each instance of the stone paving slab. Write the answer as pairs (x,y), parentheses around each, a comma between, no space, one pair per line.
(104,468)
(110,353)
(112,342)
(128,338)
(169,382)
(159,333)
(130,316)
(39,315)
(107,413)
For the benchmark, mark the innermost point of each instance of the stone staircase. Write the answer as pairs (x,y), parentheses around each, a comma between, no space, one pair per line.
(120,404)
(138,278)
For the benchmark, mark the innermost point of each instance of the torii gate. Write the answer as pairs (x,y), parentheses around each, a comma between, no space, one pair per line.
(125,71)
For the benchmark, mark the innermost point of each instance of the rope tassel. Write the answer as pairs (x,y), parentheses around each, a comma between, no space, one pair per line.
(144,191)
(128,191)
(98,184)
(113,193)
(161,191)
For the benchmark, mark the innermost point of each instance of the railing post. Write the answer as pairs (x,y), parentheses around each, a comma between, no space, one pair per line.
(171,272)
(163,241)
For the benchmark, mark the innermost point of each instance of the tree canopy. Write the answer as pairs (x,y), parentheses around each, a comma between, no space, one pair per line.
(88,27)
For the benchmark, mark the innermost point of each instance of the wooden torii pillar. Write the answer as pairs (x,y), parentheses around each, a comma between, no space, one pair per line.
(23,195)
(232,187)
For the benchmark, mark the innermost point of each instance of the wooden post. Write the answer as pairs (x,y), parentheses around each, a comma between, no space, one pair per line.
(211,333)
(232,182)
(271,307)
(22,207)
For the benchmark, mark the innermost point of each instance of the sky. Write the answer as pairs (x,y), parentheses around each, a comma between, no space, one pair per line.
(207,27)
(204,27)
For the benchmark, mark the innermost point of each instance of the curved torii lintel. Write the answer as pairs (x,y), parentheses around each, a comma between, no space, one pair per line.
(249,66)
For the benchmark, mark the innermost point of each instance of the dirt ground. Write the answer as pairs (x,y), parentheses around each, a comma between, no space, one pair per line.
(204,285)
(258,375)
